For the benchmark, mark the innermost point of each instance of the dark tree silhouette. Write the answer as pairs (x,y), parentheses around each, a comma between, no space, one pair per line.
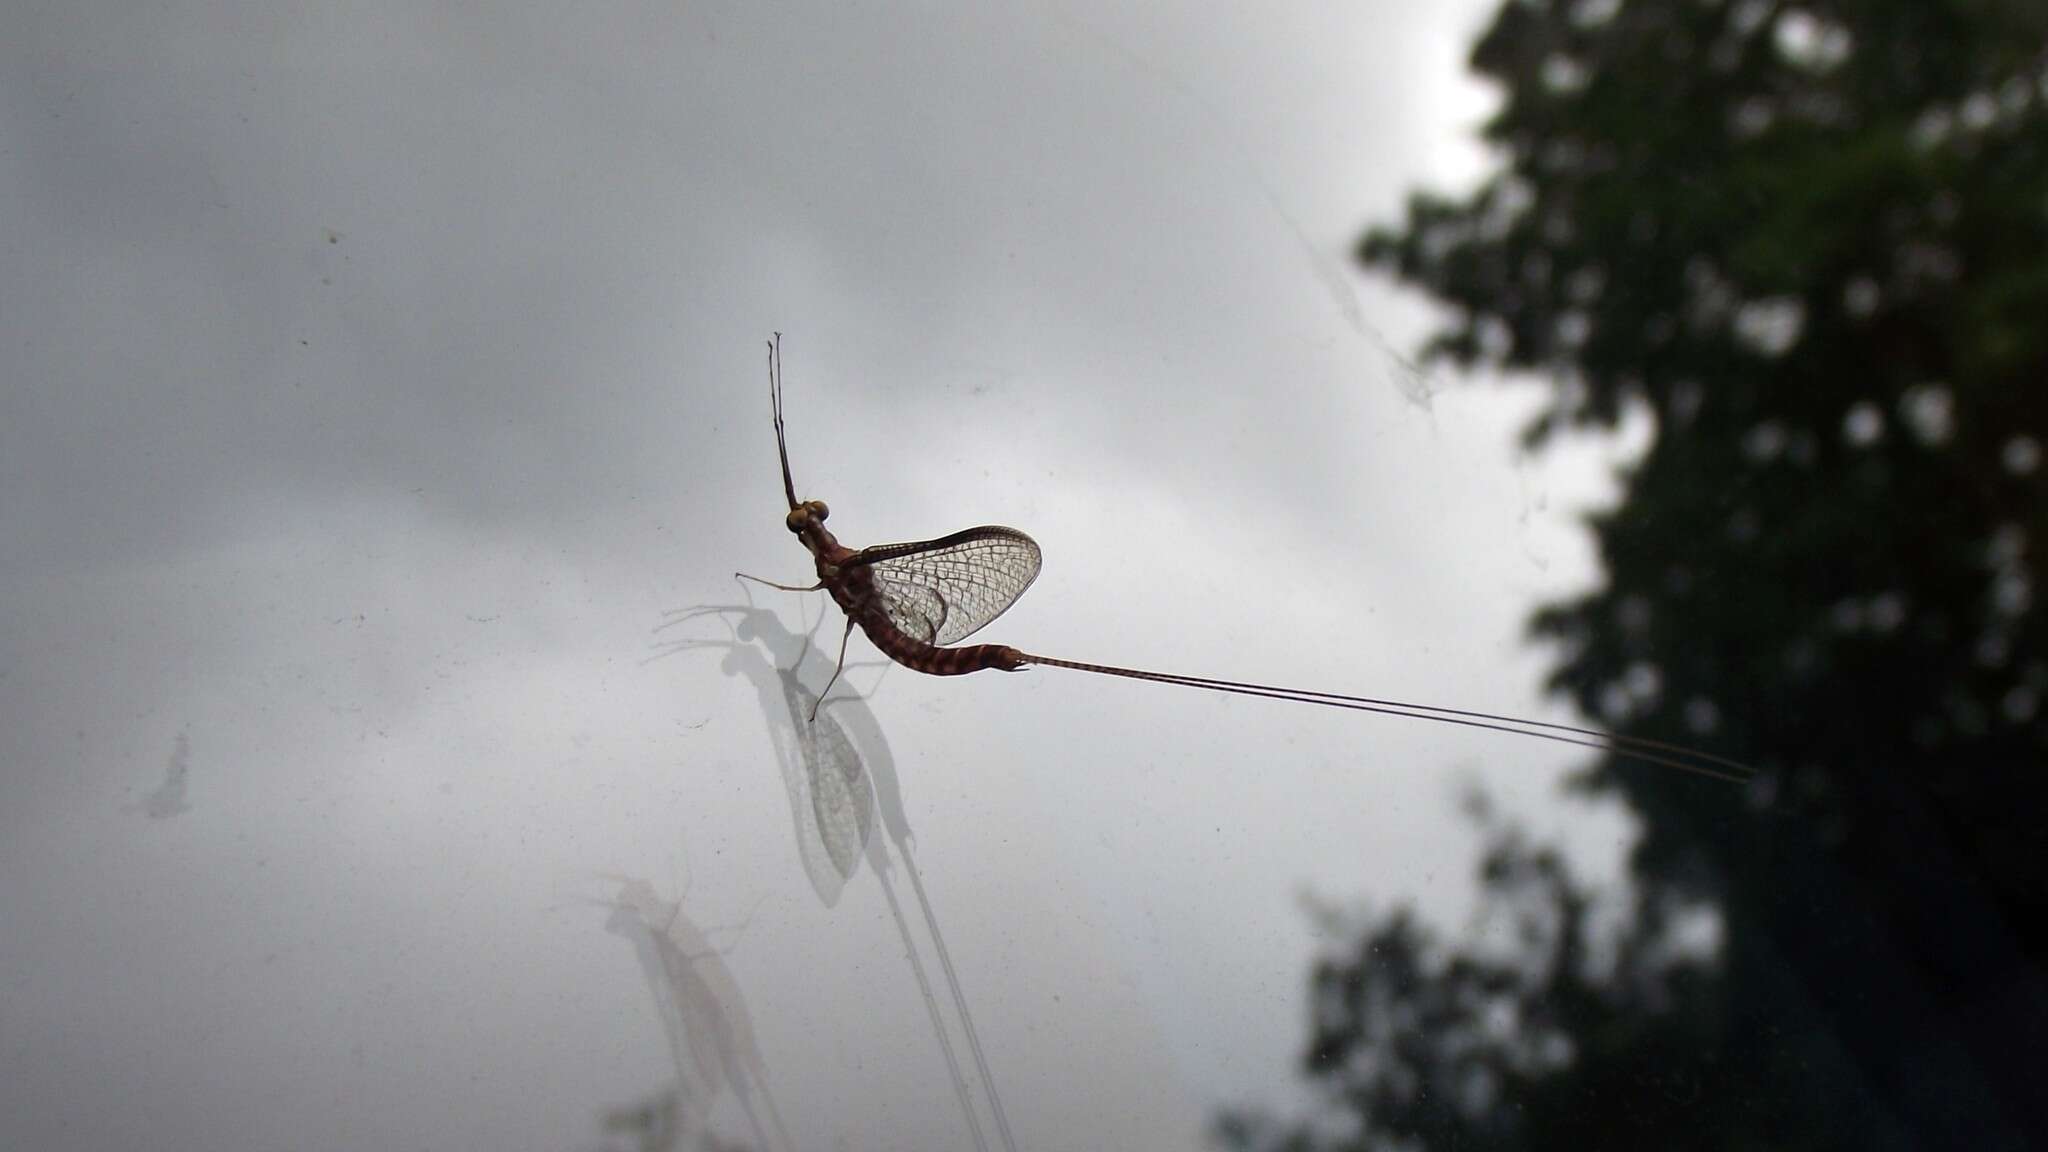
(1544,1026)
(1811,242)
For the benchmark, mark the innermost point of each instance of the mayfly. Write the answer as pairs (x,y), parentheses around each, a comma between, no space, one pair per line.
(918,600)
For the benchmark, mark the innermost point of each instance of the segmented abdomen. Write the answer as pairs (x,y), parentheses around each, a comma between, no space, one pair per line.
(932,660)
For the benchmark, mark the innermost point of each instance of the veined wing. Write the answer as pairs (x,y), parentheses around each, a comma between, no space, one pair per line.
(942,591)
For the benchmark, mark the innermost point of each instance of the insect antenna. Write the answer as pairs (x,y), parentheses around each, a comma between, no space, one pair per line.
(775,397)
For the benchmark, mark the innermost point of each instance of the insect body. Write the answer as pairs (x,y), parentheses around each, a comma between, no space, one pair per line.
(916,600)
(913,600)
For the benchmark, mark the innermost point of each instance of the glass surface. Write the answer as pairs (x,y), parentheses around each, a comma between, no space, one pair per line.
(389,757)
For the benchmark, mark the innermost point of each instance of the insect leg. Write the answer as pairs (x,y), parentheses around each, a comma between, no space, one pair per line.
(773,584)
(841,667)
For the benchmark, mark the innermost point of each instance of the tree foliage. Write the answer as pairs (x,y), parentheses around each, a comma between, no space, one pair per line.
(1810,241)
(1543,1023)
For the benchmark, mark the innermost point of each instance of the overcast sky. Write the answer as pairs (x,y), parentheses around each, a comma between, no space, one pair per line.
(380,380)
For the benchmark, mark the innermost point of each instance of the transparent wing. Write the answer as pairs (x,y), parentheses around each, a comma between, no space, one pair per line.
(942,591)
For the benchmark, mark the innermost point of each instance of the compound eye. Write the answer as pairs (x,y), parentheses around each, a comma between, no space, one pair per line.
(797,518)
(818,509)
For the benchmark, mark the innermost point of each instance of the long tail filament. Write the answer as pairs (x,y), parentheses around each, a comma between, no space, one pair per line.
(1632,747)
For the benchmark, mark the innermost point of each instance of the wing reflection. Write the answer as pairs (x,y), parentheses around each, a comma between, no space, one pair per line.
(831,803)
(703,1015)
(839,771)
